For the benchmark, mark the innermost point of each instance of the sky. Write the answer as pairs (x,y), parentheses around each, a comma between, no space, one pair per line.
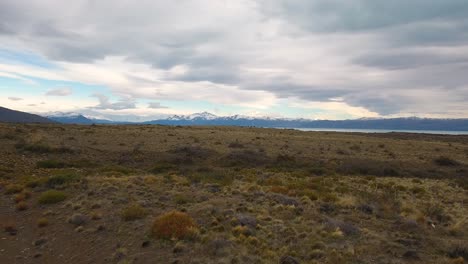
(316,59)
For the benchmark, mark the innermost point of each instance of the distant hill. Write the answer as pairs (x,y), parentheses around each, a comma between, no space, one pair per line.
(12,116)
(76,118)
(205,118)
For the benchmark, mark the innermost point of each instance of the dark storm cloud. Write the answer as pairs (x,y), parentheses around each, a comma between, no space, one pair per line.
(394,60)
(358,15)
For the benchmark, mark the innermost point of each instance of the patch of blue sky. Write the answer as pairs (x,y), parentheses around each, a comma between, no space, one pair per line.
(38,87)
(9,56)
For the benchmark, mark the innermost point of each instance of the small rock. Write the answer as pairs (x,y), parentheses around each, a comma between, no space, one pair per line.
(288,260)
(77,219)
(37,255)
(79,229)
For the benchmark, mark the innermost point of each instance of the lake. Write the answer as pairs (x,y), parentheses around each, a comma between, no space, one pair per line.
(383,131)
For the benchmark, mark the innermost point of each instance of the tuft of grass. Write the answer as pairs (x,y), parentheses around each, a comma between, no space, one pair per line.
(134,212)
(51,197)
(13,188)
(20,197)
(42,222)
(174,224)
(21,206)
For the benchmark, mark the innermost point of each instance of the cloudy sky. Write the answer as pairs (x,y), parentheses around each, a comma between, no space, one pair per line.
(317,59)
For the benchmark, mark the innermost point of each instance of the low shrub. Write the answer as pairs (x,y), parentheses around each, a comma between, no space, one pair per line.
(181,199)
(174,224)
(134,212)
(189,154)
(51,164)
(42,148)
(437,213)
(279,189)
(213,176)
(235,144)
(13,188)
(458,251)
(162,167)
(21,206)
(116,169)
(61,179)
(51,197)
(246,158)
(446,161)
(356,166)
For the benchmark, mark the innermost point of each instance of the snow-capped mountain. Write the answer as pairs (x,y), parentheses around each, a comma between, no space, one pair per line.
(203,116)
(209,119)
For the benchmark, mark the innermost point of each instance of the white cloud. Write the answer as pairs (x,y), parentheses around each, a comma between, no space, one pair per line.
(252,53)
(63,91)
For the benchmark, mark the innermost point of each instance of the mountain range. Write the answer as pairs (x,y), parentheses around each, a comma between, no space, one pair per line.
(205,118)
(12,116)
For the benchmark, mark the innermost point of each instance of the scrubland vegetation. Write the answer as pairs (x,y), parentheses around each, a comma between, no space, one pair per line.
(156,194)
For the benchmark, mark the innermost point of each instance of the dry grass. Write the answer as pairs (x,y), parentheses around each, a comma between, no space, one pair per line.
(258,195)
(174,225)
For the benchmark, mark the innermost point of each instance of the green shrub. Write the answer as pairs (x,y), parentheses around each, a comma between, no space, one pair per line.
(181,199)
(134,212)
(61,179)
(116,169)
(162,167)
(51,164)
(51,197)
(217,176)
